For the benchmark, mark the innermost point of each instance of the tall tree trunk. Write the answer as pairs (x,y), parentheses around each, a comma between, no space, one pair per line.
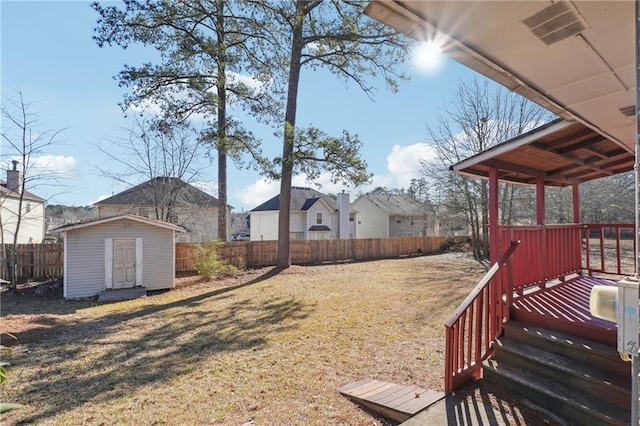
(222,124)
(284,217)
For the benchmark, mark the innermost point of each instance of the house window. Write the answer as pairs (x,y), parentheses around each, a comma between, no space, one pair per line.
(411,219)
(351,218)
(319,218)
(28,207)
(359,221)
(398,220)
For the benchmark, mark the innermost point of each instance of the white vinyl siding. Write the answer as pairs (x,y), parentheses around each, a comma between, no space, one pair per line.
(31,224)
(86,270)
(371,222)
(264,226)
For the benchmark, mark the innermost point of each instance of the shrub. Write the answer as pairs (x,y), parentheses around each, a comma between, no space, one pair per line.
(208,263)
(5,406)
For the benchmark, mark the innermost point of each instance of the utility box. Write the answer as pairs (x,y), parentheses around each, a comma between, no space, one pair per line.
(627,316)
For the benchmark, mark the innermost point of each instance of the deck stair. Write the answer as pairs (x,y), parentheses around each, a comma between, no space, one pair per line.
(122,294)
(580,381)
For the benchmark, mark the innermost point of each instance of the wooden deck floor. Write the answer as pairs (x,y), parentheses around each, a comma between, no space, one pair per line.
(397,402)
(565,307)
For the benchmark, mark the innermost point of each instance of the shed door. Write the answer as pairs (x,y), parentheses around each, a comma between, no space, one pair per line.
(124,263)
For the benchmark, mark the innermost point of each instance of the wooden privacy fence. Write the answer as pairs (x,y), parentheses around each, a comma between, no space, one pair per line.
(36,261)
(255,254)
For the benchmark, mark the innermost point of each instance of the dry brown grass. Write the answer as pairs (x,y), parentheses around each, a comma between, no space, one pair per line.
(271,351)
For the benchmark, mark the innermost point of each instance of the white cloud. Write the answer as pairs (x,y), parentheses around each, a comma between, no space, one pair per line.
(147,106)
(404,164)
(100,198)
(257,193)
(209,187)
(247,80)
(52,165)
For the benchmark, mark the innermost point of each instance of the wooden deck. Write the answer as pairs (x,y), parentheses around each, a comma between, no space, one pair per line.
(565,307)
(397,402)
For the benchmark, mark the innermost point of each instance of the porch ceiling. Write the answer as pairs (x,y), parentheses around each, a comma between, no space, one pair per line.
(587,76)
(561,152)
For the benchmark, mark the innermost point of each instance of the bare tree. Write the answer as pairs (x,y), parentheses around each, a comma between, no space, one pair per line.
(478,117)
(26,142)
(165,155)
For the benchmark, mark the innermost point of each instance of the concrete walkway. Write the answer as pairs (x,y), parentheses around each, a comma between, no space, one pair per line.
(479,404)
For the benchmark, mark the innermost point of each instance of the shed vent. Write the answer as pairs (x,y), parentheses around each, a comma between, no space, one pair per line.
(629,111)
(555,23)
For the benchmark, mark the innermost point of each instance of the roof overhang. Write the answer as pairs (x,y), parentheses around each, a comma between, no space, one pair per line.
(561,153)
(134,218)
(587,77)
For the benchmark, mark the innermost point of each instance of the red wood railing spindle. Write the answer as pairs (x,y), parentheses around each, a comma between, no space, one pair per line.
(461,335)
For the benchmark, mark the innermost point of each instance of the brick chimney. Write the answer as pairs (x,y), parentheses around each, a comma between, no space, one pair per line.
(14,178)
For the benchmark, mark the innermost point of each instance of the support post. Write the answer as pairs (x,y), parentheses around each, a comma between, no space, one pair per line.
(496,290)
(494,236)
(576,202)
(635,367)
(540,203)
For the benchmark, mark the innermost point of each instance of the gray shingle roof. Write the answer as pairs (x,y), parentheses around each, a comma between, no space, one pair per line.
(4,192)
(160,188)
(396,205)
(301,199)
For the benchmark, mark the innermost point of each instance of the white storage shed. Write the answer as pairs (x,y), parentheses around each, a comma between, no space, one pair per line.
(120,252)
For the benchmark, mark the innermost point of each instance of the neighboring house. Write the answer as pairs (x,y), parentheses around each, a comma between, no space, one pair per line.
(314,216)
(32,220)
(171,200)
(384,215)
(117,252)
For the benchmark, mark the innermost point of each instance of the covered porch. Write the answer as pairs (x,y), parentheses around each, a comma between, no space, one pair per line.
(543,273)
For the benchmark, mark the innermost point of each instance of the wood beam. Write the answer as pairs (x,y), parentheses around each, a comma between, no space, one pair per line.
(576,146)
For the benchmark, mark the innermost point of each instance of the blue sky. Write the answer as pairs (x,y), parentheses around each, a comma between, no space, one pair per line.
(48,54)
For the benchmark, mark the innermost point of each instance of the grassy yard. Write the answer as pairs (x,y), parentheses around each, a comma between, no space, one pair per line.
(258,349)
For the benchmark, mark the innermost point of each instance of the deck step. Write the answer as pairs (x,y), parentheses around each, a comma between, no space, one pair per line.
(574,347)
(396,402)
(122,294)
(580,381)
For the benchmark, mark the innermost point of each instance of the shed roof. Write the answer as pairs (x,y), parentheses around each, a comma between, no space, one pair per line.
(135,218)
(560,152)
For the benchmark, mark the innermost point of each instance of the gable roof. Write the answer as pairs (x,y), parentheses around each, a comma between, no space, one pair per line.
(135,218)
(560,152)
(146,193)
(4,192)
(302,199)
(395,205)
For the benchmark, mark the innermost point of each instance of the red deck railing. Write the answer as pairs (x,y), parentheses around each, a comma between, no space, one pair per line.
(546,252)
(609,248)
(476,323)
